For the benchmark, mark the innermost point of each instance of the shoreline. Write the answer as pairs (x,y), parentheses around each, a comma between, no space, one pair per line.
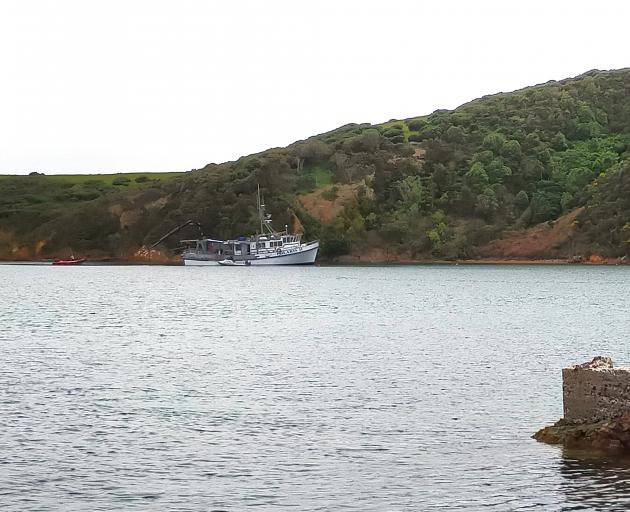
(357,262)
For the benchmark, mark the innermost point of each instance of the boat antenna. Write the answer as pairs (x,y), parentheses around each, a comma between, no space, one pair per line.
(265,218)
(261,212)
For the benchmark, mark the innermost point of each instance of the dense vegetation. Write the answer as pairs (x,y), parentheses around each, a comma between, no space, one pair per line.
(437,186)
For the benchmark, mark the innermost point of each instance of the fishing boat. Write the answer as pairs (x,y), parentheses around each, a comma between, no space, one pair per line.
(267,247)
(71,261)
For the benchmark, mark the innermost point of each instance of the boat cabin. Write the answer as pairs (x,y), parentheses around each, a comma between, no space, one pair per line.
(203,246)
(272,243)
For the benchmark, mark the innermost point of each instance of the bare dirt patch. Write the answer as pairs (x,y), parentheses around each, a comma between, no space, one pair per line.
(325,210)
(538,241)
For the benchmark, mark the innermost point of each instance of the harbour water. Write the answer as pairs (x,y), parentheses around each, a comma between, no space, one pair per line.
(309,388)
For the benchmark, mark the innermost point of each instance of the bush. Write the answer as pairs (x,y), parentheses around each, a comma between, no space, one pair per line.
(333,243)
(306,182)
(121,181)
(330,194)
(393,132)
(416,125)
(522,200)
(141,179)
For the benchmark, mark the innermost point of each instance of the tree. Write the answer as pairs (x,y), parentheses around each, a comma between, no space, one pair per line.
(565,200)
(411,192)
(466,200)
(559,142)
(416,124)
(497,171)
(311,150)
(340,160)
(484,157)
(545,205)
(512,151)
(521,201)
(441,177)
(578,178)
(494,142)
(370,140)
(437,234)
(487,203)
(455,134)
(476,177)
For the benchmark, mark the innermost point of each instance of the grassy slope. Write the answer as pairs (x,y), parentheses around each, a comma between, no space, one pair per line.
(107,179)
(66,211)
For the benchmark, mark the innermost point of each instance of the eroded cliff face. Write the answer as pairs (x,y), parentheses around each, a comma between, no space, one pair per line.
(11,248)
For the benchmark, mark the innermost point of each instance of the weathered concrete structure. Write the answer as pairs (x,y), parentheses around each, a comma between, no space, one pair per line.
(595,391)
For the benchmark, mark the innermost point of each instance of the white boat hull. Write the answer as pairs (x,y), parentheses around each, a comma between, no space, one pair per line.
(304,256)
(200,263)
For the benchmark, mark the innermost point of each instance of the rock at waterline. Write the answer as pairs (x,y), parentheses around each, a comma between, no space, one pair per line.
(608,435)
(596,401)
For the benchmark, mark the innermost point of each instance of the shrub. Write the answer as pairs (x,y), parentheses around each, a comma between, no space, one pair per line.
(330,194)
(393,132)
(416,125)
(306,182)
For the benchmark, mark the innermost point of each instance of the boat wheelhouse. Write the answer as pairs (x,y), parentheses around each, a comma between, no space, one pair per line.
(205,251)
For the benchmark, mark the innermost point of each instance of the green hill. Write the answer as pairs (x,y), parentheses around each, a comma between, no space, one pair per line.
(439,186)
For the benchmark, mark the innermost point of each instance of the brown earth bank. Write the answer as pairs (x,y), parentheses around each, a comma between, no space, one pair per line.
(539,241)
(606,436)
(142,255)
(325,204)
(403,260)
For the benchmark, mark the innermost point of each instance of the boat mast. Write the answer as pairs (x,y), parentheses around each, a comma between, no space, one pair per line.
(260,210)
(265,219)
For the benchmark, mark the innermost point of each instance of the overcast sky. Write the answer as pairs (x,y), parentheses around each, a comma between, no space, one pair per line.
(151,85)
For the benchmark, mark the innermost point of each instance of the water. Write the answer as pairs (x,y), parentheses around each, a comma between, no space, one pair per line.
(332,388)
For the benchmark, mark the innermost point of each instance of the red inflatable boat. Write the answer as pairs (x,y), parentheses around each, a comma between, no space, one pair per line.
(71,261)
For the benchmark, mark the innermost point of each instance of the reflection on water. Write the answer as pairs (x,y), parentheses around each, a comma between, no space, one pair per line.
(595,481)
(310,389)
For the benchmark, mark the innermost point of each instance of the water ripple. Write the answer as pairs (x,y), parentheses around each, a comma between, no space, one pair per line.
(312,389)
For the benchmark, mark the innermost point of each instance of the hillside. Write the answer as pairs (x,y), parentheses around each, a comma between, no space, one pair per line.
(460,184)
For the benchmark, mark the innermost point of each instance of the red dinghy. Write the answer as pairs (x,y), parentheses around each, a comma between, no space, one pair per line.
(71,261)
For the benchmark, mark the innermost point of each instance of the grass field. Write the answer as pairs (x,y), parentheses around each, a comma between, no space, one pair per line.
(46,193)
(117,180)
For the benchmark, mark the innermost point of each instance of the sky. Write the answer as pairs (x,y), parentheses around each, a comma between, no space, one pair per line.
(91,86)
